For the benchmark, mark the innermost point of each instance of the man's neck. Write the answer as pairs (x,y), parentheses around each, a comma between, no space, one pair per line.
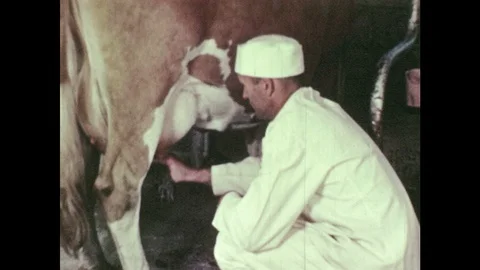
(284,97)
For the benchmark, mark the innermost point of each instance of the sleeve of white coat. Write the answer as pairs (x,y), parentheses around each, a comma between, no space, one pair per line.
(263,217)
(234,176)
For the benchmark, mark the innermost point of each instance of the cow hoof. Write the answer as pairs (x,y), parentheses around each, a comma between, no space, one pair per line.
(166,191)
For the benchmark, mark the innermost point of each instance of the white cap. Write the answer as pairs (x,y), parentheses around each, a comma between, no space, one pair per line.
(270,56)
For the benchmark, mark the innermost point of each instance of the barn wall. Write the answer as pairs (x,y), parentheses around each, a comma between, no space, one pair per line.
(378,26)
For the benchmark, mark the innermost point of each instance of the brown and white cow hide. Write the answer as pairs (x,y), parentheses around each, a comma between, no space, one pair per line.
(138,74)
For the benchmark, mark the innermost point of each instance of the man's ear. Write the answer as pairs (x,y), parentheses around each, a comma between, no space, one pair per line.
(268,86)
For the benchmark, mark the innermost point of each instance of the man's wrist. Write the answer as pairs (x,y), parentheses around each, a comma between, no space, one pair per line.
(201,176)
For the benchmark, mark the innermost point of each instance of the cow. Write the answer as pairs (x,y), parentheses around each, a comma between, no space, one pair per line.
(137,75)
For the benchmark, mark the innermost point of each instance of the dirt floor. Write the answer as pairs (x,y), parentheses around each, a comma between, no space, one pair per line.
(179,235)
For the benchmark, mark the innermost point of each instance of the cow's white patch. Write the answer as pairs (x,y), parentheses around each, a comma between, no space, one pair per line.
(209,46)
(181,117)
(192,102)
(152,135)
(126,235)
(68,262)
(214,108)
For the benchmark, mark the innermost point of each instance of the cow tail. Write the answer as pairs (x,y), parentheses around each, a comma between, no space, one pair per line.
(74,226)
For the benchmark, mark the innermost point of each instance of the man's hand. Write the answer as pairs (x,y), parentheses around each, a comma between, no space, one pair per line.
(179,172)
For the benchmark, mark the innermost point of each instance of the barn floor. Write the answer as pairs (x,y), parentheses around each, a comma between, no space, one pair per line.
(179,235)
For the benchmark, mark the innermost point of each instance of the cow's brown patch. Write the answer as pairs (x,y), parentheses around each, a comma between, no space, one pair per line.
(207,69)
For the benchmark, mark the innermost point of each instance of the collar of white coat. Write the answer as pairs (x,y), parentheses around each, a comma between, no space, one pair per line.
(288,106)
(283,120)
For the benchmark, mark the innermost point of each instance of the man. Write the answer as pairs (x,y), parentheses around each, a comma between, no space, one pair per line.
(323,196)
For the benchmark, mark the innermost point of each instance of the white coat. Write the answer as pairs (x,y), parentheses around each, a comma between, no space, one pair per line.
(323,196)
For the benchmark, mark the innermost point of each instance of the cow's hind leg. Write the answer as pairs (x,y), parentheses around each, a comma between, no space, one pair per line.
(93,247)
(126,235)
(121,207)
(119,184)
(78,169)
